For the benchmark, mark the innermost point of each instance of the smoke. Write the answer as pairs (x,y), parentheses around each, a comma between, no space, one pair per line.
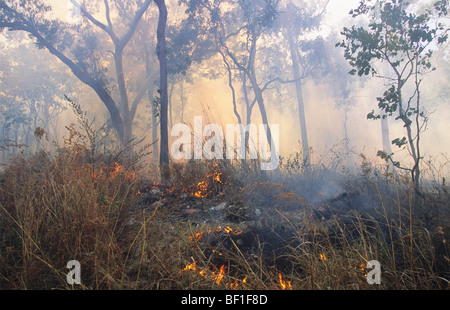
(336,107)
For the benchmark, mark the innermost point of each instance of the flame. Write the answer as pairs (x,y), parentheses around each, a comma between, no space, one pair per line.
(323,257)
(228,230)
(203,188)
(189,267)
(235,284)
(103,172)
(217,276)
(118,168)
(284,284)
(362,267)
(217,177)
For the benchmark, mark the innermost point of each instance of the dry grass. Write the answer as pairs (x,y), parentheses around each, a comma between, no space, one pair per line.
(56,208)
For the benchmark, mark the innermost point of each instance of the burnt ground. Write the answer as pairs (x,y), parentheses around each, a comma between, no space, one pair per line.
(272,224)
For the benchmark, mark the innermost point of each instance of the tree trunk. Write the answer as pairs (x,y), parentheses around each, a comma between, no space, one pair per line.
(162,56)
(123,107)
(248,113)
(300,102)
(258,93)
(101,91)
(154,127)
(415,170)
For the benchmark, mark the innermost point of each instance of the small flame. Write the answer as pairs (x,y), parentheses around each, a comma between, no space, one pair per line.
(204,188)
(361,268)
(201,190)
(218,277)
(323,257)
(228,230)
(189,267)
(217,177)
(284,284)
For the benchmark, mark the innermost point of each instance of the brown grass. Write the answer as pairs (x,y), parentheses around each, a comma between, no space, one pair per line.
(56,208)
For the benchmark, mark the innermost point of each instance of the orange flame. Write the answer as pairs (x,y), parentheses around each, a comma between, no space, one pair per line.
(284,284)
(218,277)
(228,230)
(361,268)
(189,267)
(323,257)
(203,189)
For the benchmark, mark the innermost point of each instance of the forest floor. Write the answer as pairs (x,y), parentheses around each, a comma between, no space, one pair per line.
(216,226)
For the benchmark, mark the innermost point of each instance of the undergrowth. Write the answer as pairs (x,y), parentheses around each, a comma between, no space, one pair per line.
(78,203)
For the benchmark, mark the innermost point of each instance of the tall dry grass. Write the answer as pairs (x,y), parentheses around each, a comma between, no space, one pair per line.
(71,205)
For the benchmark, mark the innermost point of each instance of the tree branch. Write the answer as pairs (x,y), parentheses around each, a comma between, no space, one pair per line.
(141,92)
(278,79)
(94,20)
(134,23)
(108,16)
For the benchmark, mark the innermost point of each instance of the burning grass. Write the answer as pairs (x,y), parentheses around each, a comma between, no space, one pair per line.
(210,229)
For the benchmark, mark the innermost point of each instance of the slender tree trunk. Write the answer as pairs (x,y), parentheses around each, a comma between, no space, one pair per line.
(415,170)
(162,56)
(299,92)
(248,114)
(260,100)
(123,107)
(154,126)
(347,139)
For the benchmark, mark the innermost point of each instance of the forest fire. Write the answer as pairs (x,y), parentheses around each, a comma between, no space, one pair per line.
(217,276)
(285,285)
(208,144)
(104,172)
(227,230)
(210,183)
(201,190)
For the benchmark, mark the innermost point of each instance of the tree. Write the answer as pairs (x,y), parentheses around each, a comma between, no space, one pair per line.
(404,41)
(83,50)
(296,22)
(161,49)
(236,28)
(31,93)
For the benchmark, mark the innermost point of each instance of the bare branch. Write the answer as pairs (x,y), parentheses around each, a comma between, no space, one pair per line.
(134,23)
(281,81)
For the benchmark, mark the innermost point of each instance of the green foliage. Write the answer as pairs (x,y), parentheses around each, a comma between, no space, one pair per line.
(402,40)
(396,36)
